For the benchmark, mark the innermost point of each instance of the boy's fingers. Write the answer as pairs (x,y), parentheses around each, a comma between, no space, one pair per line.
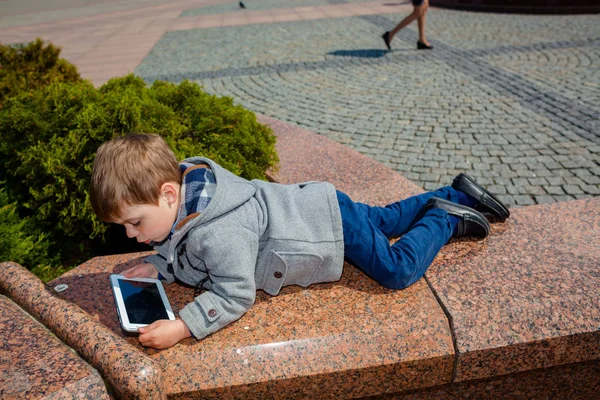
(145,329)
(153,325)
(150,327)
(141,271)
(130,273)
(148,338)
(145,340)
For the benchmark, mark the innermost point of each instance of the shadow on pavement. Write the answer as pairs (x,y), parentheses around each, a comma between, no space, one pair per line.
(366,53)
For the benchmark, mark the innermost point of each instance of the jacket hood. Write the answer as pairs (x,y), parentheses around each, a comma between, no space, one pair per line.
(227,182)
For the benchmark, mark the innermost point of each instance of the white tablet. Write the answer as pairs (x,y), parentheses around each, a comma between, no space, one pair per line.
(140,301)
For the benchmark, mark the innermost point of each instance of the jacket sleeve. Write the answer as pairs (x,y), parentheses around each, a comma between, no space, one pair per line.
(160,263)
(230,259)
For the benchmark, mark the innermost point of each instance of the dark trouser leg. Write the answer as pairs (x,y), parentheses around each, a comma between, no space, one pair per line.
(366,231)
(397,218)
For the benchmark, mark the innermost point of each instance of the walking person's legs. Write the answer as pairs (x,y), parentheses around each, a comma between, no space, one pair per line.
(421,24)
(419,11)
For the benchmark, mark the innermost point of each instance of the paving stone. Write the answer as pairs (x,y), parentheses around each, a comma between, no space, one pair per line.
(583,196)
(590,179)
(507,200)
(564,198)
(591,189)
(572,189)
(554,190)
(524,200)
(535,190)
(538,181)
(496,189)
(555,181)
(544,199)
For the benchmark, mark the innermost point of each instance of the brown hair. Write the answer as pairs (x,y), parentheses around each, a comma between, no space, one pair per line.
(130,170)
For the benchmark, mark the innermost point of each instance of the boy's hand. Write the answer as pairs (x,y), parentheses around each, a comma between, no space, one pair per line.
(144,270)
(163,333)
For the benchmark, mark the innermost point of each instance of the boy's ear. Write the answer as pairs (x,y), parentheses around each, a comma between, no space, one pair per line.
(169,191)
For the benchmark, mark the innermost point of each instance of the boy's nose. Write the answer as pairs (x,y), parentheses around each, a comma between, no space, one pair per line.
(130,232)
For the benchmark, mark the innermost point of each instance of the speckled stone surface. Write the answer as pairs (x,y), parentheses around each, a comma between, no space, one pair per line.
(130,373)
(34,364)
(526,297)
(330,341)
(566,382)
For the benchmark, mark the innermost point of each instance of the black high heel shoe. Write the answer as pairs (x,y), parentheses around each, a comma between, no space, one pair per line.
(386,40)
(423,46)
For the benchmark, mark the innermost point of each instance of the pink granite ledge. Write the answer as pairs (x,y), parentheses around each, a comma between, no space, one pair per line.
(329,341)
(34,364)
(131,373)
(528,296)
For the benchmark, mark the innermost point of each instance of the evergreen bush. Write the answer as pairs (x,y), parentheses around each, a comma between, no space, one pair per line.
(22,242)
(49,137)
(28,67)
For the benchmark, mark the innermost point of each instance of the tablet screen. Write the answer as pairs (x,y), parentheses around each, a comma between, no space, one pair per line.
(142,302)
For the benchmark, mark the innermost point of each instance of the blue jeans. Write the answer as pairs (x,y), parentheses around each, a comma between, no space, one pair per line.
(367,230)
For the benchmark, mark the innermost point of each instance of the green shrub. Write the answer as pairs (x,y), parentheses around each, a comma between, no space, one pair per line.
(20,240)
(26,68)
(49,137)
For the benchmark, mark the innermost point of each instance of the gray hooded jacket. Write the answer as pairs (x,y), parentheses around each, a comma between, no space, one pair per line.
(253,235)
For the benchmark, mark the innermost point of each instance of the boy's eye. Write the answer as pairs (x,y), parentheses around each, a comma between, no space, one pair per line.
(137,224)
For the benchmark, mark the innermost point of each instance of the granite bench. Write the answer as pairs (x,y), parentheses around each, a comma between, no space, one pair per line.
(516,315)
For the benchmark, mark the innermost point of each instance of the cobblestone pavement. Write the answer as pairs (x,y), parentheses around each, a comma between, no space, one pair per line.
(513,100)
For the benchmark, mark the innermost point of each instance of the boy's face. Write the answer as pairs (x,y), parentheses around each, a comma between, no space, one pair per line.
(148,222)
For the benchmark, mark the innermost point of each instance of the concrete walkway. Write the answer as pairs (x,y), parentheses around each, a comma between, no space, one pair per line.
(511,99)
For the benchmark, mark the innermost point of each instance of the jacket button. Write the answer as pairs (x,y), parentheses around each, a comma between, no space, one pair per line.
(212,312)
(278,275)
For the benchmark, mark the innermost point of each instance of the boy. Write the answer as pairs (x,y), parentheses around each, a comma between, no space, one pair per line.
(230,237)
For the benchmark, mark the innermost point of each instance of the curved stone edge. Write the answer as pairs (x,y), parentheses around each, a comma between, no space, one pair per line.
(131,373)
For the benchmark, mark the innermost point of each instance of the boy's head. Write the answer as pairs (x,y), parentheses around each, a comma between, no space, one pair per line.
(135,181)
